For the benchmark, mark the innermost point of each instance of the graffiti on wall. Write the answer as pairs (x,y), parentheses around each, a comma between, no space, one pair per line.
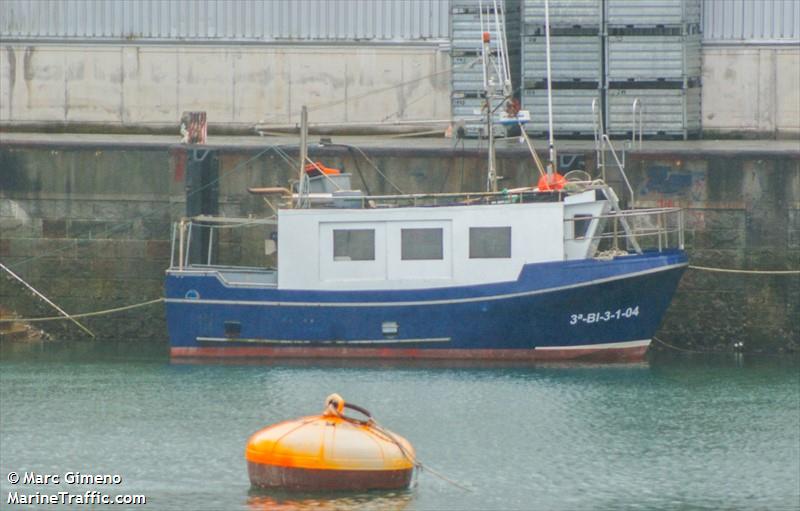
(671,184)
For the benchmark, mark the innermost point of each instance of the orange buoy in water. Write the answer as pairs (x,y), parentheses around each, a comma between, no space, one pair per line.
(554,181)
(329,452)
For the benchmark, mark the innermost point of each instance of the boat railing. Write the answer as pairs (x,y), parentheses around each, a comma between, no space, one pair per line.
(603,144)
(647,229)
(196,241)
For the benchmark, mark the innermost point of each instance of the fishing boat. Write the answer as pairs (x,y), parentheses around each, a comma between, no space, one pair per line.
(556,271)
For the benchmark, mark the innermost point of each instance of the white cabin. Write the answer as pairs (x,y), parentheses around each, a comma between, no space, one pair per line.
(429,247)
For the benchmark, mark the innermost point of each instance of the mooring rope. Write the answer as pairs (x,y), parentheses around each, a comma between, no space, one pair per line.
(83,315)
(335,405)
(676,348)
(750,272)
(413,459)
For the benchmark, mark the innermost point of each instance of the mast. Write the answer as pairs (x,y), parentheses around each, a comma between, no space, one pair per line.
(551,168)
(303,154)
(488,91)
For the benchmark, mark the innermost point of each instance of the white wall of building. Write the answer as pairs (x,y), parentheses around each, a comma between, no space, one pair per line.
(151,85)
(751,89)
(126,63)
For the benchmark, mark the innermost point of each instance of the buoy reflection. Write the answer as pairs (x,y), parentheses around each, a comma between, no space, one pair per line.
(393,501)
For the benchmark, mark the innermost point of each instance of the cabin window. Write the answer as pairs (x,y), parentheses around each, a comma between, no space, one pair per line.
(353,244)
(421,244)
(581,225)
(489,242)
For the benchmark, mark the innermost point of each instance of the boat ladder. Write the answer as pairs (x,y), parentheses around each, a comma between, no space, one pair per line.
(604,146)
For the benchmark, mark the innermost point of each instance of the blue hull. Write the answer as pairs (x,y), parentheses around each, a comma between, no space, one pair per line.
(553,310)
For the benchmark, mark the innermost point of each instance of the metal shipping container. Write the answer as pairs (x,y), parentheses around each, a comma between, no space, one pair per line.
(564,13)
(653,57)
(469,109)
(466,62)
(573,58)
(466,32)
(387,21)
(665,112)
(572,110)
(640,13)
(465,23)
(466,42)
(467,72)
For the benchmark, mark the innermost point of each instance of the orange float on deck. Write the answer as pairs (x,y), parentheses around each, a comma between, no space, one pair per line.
(329,452)
(551,182)
(318,168)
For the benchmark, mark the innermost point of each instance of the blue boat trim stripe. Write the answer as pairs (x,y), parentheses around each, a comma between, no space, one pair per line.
(432,302)
(228,340)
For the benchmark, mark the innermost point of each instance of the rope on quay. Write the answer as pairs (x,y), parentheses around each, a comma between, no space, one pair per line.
(750,272)
(85,314)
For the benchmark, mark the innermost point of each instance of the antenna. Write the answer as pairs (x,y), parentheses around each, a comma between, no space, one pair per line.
(303,154)
(551,168)
(491,184)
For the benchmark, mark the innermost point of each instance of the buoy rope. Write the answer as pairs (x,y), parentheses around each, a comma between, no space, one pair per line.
(417,464)
(335,404)
(750,272)
(85,314)
(676,348)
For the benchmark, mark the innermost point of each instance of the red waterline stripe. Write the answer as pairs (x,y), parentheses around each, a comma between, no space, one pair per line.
(623,354)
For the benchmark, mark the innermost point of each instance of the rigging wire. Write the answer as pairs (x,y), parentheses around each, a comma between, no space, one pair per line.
(321,106)
(374,166)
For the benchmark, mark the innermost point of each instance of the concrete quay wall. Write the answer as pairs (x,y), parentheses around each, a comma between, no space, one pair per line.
(89,224)
(747,90)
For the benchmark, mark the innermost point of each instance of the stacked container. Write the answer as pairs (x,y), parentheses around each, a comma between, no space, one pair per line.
(467,93)
(576,48)
(653,54)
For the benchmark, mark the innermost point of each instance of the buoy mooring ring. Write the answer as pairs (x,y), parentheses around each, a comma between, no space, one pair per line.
(331,451)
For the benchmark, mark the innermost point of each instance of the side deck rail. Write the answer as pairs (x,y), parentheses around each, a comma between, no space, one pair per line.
(648,229)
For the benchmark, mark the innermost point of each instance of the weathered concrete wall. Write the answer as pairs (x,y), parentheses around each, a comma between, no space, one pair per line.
(751,90)
(89,228)
(151,85)
(742,212)
(89,225)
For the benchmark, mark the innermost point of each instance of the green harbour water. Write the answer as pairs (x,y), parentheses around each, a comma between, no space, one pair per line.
(677,433)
